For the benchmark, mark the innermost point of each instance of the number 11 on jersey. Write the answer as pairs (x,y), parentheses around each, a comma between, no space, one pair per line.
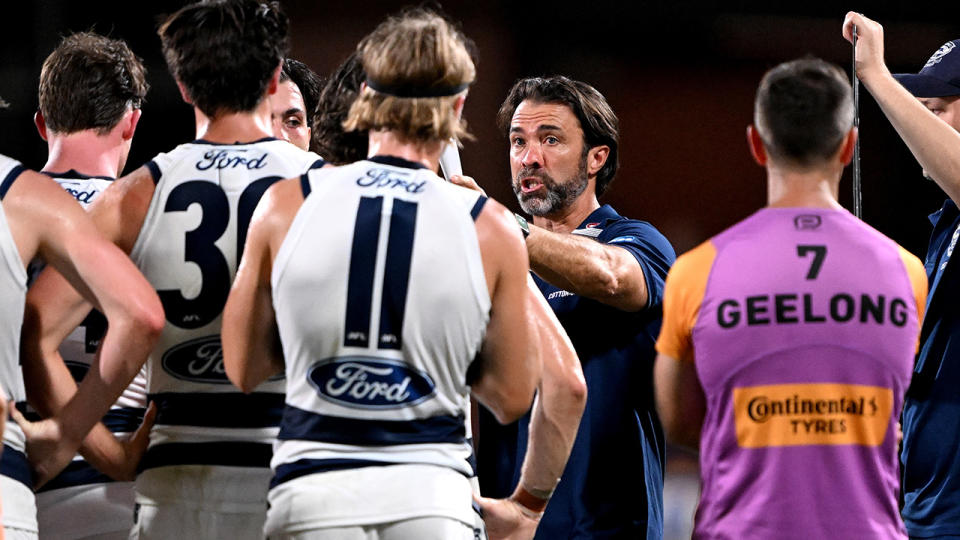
(395,275)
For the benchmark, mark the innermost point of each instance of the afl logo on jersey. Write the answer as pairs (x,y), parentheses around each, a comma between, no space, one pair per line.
(197,360)
(370,383)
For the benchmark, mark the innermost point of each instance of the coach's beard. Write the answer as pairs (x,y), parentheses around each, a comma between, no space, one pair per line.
(554,195)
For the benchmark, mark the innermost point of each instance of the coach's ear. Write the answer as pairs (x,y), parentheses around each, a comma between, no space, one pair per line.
(755,143)
(41,124)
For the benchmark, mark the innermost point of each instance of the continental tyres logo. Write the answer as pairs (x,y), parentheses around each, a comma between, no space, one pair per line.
(811,414)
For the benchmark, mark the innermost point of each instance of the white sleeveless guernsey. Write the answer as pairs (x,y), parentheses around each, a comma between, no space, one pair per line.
(16,482)
(382,306)
(81,501)
(188,248)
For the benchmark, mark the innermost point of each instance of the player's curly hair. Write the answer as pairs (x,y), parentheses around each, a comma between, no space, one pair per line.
(597,120)
(224,52)
(88,82)
(329,138)
(307,81)
(416,50)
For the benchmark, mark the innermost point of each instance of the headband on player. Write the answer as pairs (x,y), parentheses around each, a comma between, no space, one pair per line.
(411,91)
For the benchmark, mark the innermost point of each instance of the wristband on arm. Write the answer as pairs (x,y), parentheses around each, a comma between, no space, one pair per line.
(531,505)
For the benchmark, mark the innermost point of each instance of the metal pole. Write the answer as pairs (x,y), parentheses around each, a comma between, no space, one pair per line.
(857,201)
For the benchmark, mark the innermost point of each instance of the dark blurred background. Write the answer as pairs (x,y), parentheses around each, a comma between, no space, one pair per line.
(681,76)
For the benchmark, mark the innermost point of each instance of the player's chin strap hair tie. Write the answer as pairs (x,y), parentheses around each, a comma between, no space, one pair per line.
(413,91)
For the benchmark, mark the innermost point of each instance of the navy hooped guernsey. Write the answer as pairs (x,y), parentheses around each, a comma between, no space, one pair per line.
(188,248)
(16,480)
(382,305)
(612,486)
(80,346)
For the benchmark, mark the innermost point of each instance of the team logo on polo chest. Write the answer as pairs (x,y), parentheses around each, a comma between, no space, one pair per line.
(370,383)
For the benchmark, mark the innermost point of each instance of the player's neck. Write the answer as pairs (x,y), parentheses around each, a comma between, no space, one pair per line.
(814,188)
(235,127)
(390,143)
(568,218)
(85,152)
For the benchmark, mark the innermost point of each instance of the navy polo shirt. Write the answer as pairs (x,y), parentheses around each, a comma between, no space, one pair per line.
(930,456)
(612,486)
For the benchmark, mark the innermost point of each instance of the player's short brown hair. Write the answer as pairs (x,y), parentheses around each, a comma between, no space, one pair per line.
(225,51)
(597,120)
(88,82)
(409,56)
(803,110)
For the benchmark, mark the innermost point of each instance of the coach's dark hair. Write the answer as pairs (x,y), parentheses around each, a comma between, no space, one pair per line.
(307,81)
(88,82)
(224,51)
(597,120)
(329,138)
(803,110)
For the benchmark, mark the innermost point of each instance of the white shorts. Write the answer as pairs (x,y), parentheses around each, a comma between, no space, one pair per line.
(184,522)
(18,534)
(431,528)
(100,511)
(19,507)
(184,502)
(370,497)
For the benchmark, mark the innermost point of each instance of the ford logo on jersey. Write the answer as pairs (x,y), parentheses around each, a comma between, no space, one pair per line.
(370,383)
(197,360)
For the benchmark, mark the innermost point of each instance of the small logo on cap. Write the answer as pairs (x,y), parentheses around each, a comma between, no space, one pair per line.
(941,52)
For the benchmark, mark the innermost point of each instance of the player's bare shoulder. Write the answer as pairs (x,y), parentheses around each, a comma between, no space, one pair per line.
(120,210)
(497,224)
(276,210)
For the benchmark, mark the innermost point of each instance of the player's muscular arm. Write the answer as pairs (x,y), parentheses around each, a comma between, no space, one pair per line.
(608,274)
(510,358)
(43,216)
(933,142)
(560,402)
(559,405)
(118,214)
(120,210)
(251,340)
(680,400)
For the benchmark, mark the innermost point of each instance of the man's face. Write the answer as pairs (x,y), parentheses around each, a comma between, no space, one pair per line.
(946,109)
(289,115)
(547,159)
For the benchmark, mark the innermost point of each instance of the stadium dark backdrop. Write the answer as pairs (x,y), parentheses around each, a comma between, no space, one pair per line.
(680,76)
